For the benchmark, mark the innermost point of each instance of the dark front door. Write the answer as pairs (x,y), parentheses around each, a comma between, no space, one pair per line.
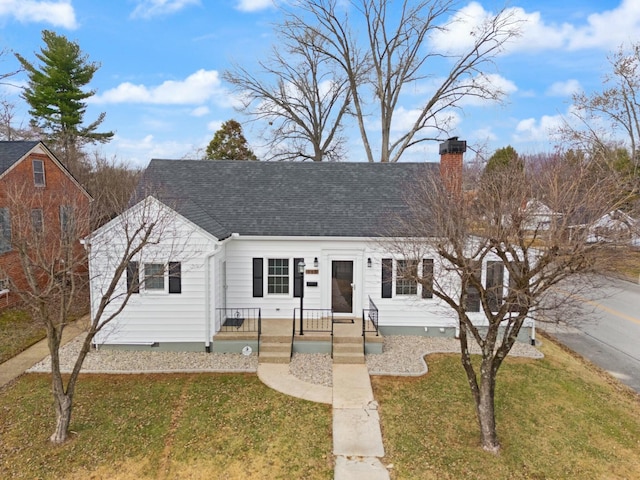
(342,286)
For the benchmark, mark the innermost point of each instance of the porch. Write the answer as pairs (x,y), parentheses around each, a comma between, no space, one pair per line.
(275,340)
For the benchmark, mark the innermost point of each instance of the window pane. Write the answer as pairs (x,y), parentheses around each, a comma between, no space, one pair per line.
(406,272)
(278,275)
(154,276)
(36,220)
(38,172)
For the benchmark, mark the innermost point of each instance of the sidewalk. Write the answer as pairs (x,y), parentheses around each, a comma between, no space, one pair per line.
(357,438)
(16,366)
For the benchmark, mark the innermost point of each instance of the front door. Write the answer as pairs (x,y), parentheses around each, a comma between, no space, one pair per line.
(342,286)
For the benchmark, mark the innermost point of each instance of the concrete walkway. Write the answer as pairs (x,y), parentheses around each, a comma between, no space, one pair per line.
(357,438)
(16,366)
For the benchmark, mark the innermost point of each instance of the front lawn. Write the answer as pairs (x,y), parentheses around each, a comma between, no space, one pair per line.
(17,332)
(558,418)
(193,426)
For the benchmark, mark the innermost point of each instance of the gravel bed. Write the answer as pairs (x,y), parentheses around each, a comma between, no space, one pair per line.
(402,355)
(123,361)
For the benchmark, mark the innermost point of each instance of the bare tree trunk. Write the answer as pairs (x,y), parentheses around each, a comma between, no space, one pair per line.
(485,409)
(63,404)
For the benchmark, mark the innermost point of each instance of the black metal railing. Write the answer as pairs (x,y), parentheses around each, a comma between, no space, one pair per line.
(370,320)
(246,320)
(316,320)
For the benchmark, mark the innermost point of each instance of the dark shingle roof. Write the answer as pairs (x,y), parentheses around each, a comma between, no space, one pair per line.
(11,152)
(284,198)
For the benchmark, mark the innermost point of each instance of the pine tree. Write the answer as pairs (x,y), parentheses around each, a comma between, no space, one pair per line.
(228,143)
(56,96)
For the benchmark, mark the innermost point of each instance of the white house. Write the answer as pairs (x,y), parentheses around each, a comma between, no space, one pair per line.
(615,227)
(239,232)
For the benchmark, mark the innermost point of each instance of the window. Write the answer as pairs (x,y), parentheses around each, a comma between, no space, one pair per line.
(67,224)
(5,230)
(175,277)
(36,220)
(494,284)
(278,275)
(133,277)
(427,278)
(406,274)
(38,173)
(154,276)
(4,285)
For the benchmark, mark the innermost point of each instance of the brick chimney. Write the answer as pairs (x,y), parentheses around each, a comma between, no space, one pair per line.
(451,153)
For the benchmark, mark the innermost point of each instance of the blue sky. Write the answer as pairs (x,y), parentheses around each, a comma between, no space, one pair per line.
(161,63)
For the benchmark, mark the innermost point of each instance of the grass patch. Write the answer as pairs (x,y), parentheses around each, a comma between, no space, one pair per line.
(558,418)
(17,332)
(165,426)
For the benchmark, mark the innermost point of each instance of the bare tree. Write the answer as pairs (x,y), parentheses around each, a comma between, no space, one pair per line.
(299,95)
(605,120)
(395,54)
(498,262)
(49,271)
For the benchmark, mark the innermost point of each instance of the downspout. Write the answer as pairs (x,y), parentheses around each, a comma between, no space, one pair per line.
(207,283)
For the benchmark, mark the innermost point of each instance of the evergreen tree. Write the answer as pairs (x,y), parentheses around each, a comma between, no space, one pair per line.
(228,143)
(56,96)
(503,158)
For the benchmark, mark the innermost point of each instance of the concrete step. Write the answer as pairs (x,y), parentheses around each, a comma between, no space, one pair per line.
(275,347)
(274,357)
(348,358)
(347,348)
(275,338)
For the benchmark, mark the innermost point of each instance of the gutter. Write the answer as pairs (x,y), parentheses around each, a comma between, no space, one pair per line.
(207,283)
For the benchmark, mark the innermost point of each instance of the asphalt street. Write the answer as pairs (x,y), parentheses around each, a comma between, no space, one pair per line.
(608,333)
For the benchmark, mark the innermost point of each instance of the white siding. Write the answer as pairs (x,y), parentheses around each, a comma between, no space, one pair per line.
(155,316)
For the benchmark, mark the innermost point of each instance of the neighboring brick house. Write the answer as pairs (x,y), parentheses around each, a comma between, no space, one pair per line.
(39,198)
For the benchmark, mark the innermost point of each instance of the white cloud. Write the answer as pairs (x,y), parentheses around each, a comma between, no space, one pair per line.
(138,151)
(564,89)
(154,8)
(253,5)
(610,28)
(532,130)
(200,111)
(606,29)
(197,88)
(59,14)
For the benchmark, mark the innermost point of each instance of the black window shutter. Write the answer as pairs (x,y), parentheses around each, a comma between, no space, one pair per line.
(427,278)
(387,277)
(133,277)
(175,277)
(297,278)
(494,286)
(258,273)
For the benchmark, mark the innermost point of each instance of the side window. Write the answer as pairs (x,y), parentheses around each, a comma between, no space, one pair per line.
(38,173)
(154,277)
(5,230)
(67,222)
(278,276)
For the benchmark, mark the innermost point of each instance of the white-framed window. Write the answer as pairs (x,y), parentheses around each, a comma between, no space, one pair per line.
(278,276)
(154,277)
(38,173)
(4,285)
(406,277)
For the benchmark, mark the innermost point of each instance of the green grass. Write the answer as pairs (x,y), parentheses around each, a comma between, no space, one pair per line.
(17,332)
(165,426)
(557,419)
